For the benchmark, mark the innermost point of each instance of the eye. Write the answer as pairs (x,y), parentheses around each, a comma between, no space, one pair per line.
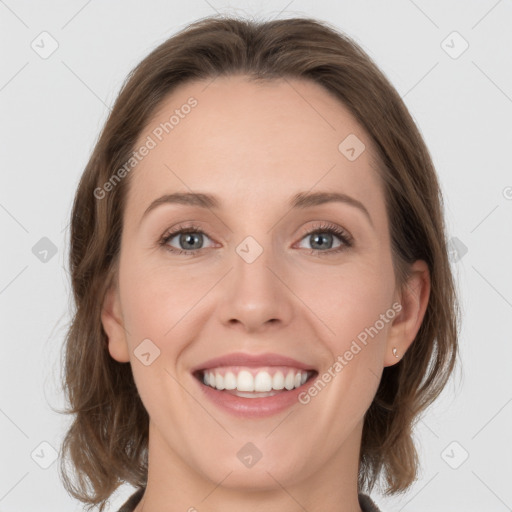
(322,238)
(189,239)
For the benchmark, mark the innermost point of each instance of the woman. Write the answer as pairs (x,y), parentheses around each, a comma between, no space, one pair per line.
(264,302)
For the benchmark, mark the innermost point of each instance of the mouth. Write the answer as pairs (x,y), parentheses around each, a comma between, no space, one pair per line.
(254,391)
(248,382)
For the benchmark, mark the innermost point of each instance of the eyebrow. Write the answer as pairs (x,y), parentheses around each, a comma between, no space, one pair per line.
(301,200)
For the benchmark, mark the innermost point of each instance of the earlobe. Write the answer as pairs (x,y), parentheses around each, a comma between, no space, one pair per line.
(414,301)
(112,321)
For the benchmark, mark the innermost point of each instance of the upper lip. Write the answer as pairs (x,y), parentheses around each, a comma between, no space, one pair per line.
(252,360)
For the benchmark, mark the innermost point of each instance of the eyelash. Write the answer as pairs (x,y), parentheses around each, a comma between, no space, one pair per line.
(324,227)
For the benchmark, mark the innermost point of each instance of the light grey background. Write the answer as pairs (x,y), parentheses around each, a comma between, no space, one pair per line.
(52,110)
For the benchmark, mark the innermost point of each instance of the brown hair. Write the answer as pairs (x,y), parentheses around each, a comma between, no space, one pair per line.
(107,441)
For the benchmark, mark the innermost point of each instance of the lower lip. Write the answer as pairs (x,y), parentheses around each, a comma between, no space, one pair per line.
(254,407)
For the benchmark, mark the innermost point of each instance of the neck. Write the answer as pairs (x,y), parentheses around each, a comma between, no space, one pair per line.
(175,485)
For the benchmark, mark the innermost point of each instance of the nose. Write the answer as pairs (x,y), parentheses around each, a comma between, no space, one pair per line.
(255,296)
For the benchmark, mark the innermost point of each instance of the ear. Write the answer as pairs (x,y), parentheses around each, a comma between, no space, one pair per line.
(414,300)
(113,324)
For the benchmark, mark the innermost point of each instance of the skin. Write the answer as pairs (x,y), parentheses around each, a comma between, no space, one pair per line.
(255,146)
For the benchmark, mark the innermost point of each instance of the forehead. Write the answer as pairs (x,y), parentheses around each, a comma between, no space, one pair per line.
(241,139)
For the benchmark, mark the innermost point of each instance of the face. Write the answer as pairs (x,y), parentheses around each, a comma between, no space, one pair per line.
(260,275)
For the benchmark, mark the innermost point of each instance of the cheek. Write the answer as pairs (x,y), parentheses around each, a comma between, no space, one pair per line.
(154,303)
(358,311)
(156,298)
(350,300)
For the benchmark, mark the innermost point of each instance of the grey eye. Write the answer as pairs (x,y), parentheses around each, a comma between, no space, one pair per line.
(321,240)
(190,240)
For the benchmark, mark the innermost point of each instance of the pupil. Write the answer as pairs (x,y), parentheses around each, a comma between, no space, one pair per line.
(188,238)
(321,238)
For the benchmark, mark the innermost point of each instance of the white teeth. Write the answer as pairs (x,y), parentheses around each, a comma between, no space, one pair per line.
(219,381)
(245,381)
(262,382)
(289,381)
(278,381)
(229,381)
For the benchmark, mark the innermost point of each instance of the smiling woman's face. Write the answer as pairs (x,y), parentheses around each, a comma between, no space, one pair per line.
(255,281)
